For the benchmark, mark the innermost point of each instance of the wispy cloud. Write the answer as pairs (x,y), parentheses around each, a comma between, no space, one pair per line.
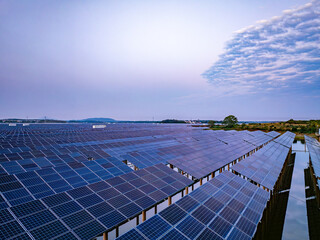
(280,53)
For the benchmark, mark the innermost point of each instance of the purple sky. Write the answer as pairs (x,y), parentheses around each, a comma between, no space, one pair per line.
(139,60)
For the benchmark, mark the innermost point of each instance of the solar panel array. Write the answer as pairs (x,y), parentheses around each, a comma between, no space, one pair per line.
(226,207)
(265,165)
(314,150)
(36,147)
(69,181)
(27,186)
(86,212)
(286,139)
(216,155)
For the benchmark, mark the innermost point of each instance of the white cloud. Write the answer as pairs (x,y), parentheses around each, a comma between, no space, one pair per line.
(277,54)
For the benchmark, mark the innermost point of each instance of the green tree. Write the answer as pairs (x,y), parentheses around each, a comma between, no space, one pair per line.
(230,121)
(312,127)
(211,123)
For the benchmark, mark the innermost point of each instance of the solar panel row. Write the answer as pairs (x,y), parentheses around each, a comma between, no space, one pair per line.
(264,166)
(213,157)
(88,211)
(23,187)
(69,181)
(226,207)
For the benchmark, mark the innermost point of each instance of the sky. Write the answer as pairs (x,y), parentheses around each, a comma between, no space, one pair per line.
(152,60)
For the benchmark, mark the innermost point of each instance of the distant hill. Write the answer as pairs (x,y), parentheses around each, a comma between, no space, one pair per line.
(95,120)
(20,120)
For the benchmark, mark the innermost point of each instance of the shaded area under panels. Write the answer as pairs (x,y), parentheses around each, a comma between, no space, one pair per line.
(314,149)
(313,210)
(314,164)
(226,207)
(86,212)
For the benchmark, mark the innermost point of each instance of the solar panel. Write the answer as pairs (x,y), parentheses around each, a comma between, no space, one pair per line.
(62,170)
(205,217)
(265,165)
(49,230)
(91,203)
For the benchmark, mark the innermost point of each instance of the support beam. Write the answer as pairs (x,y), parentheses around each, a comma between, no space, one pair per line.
(117,231)
(137,220)
(143,216)
(187,190)
(169,201)
(171,166)
(155,209)
(105,236)
(200,181)
(220,170)
(212,175)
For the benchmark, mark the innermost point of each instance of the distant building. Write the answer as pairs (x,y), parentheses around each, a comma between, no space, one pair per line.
(99,126)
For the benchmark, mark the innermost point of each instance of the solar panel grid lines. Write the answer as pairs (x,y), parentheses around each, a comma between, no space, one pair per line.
(206,167)
(53,160)
(264,166)
(285,139)
(54,182)
(65,209)
(192,217)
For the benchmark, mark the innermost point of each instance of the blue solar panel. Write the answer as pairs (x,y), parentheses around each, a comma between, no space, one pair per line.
(10,229)
(37,219)
(60,165)
(132,235)
(66,208)
(100,209)
(49,231)
(151,228)
(130,210)
(89,200)
(173,214)
(28,208)
(89,230)
(220,226)
(145,202)
(77,219)
(112,219)
(56,199)
(201,215)
(207,234)
(174,234)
